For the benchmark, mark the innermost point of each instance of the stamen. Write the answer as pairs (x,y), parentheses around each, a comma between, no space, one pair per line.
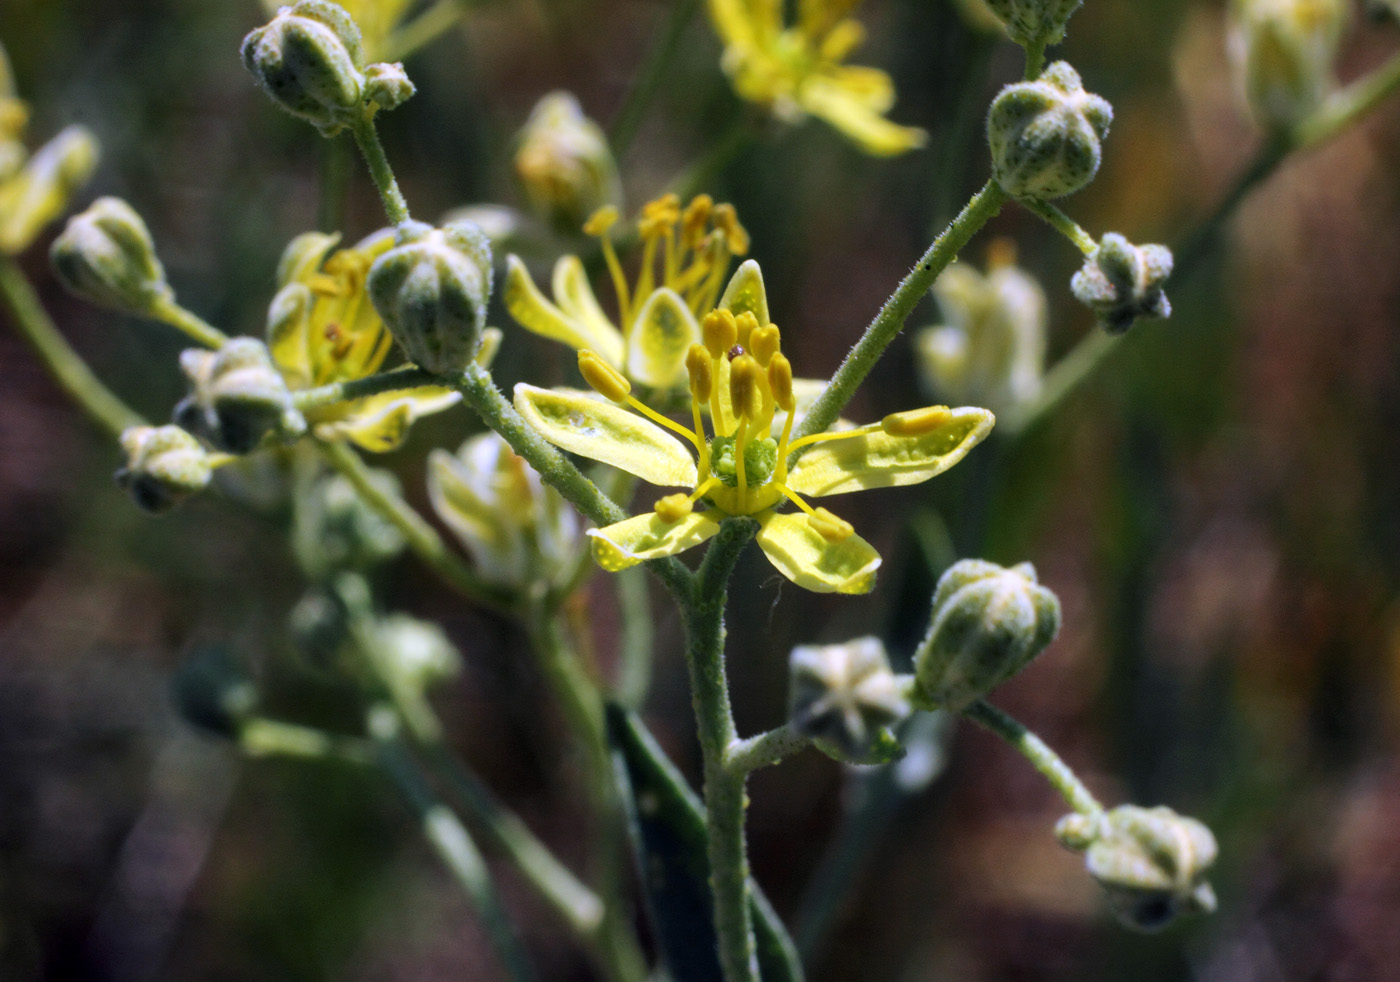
(670,424)
(705,487)
(736,236)
(780,382)
(746,323)
(603,377)
(824,437)
(696,217)
(702,385)
(745,386)
(916,422)
(598,225)
(720,332)
(829,526)
(673,507)
(765,342)
(741,443)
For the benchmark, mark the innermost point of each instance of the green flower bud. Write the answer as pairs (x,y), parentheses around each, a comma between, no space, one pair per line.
(42,189)
(431,290)
(237,397)
(564,163)
(1151,862)
(844,697)
(1284,51)
(164,466)
(987,624)
(310,61)
(212,691)
(106,256)
(412,654)
(1035,21)
(1122,282)
(1045,135)
(333,529)
(319,626)
(388,85)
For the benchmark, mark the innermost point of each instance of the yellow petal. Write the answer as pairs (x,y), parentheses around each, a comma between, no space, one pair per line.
(733,22)
(576,299)
(745,292)
(648,536)
(303,256)
(854,107)
(874,459)
(288,321)
(801,554)
(534,313)
(575,422)
(664,331)
(380,423)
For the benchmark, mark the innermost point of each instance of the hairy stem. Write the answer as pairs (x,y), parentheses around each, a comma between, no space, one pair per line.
(195,327)
(410,377)
(1061,223)
(395,207)
(745,756)
(1035,750)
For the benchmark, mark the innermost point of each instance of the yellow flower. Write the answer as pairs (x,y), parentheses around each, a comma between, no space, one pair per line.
(322,329)
(685,256)
(742,375)
(797,70)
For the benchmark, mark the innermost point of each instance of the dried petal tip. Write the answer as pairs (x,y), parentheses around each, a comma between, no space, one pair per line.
(1122,282)
(844,697)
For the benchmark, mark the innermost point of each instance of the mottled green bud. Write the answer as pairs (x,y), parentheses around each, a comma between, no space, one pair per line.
(564,163)
(1046,135)
(1284,52)
(333,529)
(1151,862)
(431,289)
(413,654)
(309,60)
(1122,282)
(388,85)
(1035,21)
(320,626)
(44,186)
(987,624)
(164,466)
(844,697)
(237,397)
(212,690)
(106,256)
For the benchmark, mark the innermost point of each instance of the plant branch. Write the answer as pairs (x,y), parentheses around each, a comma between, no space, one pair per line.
(1035,750)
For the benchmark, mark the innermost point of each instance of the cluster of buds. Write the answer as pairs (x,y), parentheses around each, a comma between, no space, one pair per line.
(844,698)
(237,397)
(1039,22)
(1046,136)
(164,465)
(564,163)
(334,529)
(105,255)
(1121,282)
(1284,52)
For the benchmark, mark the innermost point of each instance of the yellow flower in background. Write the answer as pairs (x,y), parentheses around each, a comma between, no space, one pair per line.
(322,329)
(685,258)
(798,71)
(376,19)
(746,467)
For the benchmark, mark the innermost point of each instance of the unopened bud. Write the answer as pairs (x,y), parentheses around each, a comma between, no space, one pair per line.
(237,397)
(564,163)
(412,654)
(388,85)
(431,289)
(319,627)
(164,466)
(106,256)
(334,529)
(987,624)
(310,61)
(1284,51)
(844,697)
(1035,21)
(1122,282)
(1046,135)
(213,691)
(44,186)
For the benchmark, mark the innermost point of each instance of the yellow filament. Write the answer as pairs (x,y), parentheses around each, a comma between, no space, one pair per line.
(824,437)
(741,442)
(781,475)
(624,305)
(670,424)
(796,499)
(703,489)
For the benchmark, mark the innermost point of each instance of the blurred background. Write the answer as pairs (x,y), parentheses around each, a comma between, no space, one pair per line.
(1218,509)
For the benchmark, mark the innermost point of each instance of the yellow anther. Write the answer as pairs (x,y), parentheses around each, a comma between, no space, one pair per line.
(659,216)
(745,393)
(674,507)
(764,343)
(696,217)
(746,323)
(1001,253)
(603,377)
(916,422)
(720,332)
(701,368)
(601,220)
(735,235)
(830,527)
(780,381)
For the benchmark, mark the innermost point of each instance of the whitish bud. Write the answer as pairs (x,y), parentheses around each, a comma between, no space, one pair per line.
(1151,862)
(987,624)
(413,654)
(564,163)
(44,186)
(237,397)
(431,289)
(309,60)
(1046,135)
(333,529)
(1122,282)
(844,697)
(164,466)
(106,256)
(388,85)
(1284,51)
(1035,21)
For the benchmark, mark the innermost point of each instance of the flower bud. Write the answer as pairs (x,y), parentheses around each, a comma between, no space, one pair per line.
(309,60)
(431,289)
(844,696)
(164,466)
(1122,282)
(212,690)
(333,529)
(987,624)
(564,163)
(319,626)
(1045,135)
(413,654)
(42,189)
(1152,862)
(1035,21)
(106,256)
(237,397)
(388,85)
(1283,53)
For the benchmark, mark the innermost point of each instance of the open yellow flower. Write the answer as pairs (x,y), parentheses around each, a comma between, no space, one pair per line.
(798,70)
(744,378)
(322,328)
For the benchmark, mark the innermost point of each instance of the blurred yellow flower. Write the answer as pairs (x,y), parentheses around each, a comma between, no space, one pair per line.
(796,71)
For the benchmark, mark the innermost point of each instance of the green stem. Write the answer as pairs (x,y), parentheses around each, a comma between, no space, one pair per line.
(1035,750)
(1348,105)
(890,320)
(724,790)
(1035,60)
(423,30)
(410,377)
(262,737)
(197,328)
(649,76)
(634,675)
(335,177)
(1061,223)
(395,207)
(744,756)
(57,355)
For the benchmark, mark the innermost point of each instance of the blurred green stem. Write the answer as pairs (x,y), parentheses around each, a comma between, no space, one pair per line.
(744,756)
(1061,223)
(1348,105)
(731,143)
(1035,60)
(67,367)
(367,136)
(197,328)
(427,27)
(335,177)
(649,76)
(410,377)
(1035,750)
(634,674)
(259,736)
